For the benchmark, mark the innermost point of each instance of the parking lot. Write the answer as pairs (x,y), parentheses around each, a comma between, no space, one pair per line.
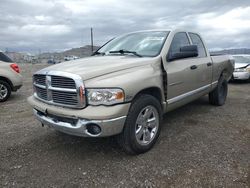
(200,146)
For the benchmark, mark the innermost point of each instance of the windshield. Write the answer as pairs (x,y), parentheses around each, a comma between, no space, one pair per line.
(242,59)
(148,43)
(4,57)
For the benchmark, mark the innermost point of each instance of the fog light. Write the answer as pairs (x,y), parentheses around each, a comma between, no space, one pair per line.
(93,128)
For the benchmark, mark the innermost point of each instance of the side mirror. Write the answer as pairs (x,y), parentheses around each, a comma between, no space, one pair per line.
(185,52)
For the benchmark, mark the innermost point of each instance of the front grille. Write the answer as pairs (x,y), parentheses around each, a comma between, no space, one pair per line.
(59,90)
(41,93)
(64,98)
(62,82)
(40,79)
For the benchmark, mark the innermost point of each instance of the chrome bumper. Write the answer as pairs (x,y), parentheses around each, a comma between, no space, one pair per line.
(108,127)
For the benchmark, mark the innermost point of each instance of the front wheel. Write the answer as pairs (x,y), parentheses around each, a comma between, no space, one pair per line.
(142,126)
(219,94)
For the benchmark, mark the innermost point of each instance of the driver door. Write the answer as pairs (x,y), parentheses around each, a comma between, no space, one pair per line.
(181,73)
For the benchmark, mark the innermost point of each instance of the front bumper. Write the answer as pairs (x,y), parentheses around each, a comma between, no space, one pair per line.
(241,75)
(110,119)
(108,127)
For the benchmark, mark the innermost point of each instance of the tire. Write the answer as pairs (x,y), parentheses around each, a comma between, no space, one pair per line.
(142,126)
(219,94)
(5,91)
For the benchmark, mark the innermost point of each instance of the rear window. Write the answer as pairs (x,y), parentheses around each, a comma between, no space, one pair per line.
(4,57)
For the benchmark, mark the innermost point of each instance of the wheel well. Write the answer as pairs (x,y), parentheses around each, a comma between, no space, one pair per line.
(224,74)
(8,81)
(154,91)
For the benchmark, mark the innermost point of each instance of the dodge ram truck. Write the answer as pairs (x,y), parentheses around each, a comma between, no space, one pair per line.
(10,77)
(126,86)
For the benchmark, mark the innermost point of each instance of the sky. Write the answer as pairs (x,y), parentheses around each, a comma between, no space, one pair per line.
(54,25)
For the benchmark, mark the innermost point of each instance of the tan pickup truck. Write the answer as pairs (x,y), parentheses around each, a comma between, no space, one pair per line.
(127,85)
(10,77)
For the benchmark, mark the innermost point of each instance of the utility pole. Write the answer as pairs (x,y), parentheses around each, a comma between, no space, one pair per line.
(91,34)
(39,55)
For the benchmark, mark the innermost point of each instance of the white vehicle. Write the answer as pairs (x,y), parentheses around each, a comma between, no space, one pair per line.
(70,58)
(10,77)
(242,67)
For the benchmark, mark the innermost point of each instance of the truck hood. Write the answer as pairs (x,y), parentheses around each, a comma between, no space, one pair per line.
(95,66)
(241,65)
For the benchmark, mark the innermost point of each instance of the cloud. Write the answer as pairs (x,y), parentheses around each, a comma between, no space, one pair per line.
(52,25)
(35,30)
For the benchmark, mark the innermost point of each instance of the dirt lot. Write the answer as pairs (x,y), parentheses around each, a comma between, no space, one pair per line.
(200,146)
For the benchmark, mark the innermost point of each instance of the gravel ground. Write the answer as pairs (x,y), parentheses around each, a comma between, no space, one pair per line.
(200,146)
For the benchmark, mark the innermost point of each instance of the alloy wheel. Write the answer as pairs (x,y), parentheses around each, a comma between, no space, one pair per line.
(147,125)
(3,91)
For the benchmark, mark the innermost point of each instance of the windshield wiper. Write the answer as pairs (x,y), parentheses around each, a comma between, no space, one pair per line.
(98,53)
(125,52)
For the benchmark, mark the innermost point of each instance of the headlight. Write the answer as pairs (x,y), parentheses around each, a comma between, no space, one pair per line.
(248,69)
(105,96)
(240,70)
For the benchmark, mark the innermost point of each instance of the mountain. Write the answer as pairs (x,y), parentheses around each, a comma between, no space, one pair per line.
(233,51)
(59,56)
(21,57)
(86,51)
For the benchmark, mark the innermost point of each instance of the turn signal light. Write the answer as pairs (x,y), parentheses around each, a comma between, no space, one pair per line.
(120,95)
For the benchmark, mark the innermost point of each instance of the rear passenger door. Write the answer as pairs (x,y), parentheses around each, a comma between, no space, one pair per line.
(203,62)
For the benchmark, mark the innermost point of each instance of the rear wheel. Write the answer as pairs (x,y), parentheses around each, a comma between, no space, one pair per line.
(142,127)
(5,91)
(219,94)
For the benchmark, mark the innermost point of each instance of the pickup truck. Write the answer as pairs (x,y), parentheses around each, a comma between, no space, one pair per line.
(10,77)
(126,86)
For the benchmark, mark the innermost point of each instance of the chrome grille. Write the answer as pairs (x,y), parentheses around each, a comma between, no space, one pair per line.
(59,88)
(62,82)
(64,98)
(41,93)
(40,79)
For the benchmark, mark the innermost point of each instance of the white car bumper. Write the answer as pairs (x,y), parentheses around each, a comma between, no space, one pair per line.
(241,75)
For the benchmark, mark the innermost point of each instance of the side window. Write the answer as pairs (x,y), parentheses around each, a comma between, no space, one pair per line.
(179,40)
(197,41)
(4,57)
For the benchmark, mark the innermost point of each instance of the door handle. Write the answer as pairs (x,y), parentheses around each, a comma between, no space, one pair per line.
(193,67)
(209,64)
